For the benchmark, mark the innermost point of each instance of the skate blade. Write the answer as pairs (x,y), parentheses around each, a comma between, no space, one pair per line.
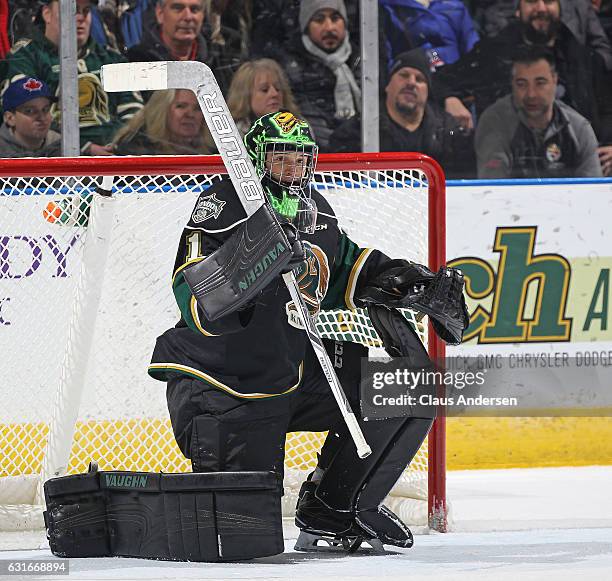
(309,542)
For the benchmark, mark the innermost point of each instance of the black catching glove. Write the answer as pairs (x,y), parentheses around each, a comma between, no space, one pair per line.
(443,301)
(406,284)
(400,283)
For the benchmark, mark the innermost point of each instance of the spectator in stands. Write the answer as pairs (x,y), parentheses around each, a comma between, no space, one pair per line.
(171,123)
(322,67)
(410,122)
(259,87)
(491,16)
(275,24)
(530,133)
(230,28)
(178,36)
(442,28)
(580,16)
(603,9)
(100,114)
(483,75)
(26,131)
(605,158)
(105,24)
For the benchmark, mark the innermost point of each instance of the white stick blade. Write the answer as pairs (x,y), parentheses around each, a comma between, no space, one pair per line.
(149,76)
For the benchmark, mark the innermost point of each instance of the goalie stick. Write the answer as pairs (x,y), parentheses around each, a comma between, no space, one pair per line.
(197,77)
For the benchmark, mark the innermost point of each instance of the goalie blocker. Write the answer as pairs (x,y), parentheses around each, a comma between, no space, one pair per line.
(178,517)
(255,254)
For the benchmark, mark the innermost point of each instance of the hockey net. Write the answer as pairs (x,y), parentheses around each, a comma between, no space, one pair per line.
(80,310)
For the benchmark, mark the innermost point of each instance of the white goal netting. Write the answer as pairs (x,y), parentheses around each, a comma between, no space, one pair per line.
(46,293)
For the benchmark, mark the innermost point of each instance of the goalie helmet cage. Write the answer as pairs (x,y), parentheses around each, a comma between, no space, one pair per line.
(85,290)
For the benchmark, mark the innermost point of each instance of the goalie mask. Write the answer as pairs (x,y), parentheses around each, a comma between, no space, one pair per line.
(284,154)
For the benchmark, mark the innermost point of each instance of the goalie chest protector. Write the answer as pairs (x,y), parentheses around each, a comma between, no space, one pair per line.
(263,357)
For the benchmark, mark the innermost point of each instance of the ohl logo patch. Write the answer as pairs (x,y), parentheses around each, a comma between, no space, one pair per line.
(207,207)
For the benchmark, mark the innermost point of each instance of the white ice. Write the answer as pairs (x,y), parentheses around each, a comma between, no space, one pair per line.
(527,524)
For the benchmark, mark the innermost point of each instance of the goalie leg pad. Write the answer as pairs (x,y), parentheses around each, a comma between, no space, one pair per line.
(234,274)
(397,335)
(394,442)
(347,502)
(217,516)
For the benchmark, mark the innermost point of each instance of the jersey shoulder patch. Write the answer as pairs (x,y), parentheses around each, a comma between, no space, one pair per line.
(207,207)
(217,209)
(20,44)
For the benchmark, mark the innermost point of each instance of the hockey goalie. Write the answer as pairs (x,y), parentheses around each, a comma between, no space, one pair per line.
(239,369)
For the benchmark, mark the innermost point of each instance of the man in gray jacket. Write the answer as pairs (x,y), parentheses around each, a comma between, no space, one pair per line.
(529,133)
(27,120)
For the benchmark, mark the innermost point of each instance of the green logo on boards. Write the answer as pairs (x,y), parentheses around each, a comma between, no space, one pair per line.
(507,319)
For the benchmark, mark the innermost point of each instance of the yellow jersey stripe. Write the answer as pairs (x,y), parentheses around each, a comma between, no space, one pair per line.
(212,381)
(353,276)
(196,318)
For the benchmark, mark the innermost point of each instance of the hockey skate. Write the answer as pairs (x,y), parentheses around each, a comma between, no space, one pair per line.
(386,526)
(324,529)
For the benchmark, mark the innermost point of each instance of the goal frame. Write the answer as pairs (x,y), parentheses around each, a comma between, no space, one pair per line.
(177,165)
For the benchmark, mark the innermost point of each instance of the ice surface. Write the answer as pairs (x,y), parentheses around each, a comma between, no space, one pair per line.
(528,524)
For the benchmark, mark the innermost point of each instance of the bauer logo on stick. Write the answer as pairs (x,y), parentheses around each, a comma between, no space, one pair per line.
(207,207)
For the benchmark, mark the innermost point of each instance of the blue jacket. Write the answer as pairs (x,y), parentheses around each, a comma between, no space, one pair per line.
(444,30)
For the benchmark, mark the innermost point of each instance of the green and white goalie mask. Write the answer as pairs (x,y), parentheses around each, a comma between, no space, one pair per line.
(285,155)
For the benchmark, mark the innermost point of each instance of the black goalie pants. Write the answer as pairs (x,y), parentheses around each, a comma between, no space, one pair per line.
(220,432)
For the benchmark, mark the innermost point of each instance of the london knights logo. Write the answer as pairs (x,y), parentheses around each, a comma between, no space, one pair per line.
(312,277)
(206,208)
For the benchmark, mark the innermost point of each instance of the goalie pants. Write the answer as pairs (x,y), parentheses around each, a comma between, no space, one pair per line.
(220,432)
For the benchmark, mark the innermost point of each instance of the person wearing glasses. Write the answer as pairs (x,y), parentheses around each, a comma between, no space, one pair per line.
(26,131)
(100,114)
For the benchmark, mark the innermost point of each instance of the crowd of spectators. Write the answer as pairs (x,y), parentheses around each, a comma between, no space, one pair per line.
(489,88)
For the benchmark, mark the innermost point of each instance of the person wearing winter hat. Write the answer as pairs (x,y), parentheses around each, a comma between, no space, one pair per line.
(324,22)
(323,67)
(410,121)
(27,120)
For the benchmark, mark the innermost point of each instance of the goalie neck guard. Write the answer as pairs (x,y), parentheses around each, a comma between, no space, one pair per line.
(284,154)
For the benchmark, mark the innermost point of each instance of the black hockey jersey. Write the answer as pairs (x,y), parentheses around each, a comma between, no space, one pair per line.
(258,351)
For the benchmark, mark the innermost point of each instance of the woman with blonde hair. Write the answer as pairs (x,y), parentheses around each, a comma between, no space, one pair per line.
(259,87)
(171,123)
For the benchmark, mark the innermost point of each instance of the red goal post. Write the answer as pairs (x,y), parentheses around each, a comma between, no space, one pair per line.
(414,176)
